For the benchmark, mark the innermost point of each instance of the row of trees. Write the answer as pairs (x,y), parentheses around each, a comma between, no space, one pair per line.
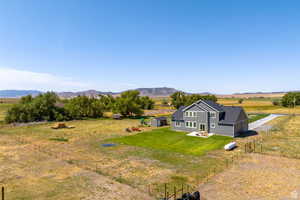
(48,107)
(181,99)
(291,99)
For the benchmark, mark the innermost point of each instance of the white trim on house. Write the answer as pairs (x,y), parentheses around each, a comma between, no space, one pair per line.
(207,105)
(196,103)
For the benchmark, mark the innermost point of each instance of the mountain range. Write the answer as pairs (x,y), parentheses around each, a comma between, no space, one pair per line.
(153,92)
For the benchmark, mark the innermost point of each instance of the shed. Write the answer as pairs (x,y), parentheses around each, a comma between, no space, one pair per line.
(159,121)
(117,116)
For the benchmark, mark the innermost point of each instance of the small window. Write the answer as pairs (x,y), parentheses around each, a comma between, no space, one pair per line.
(195,124)
(187,124)
(212,114)
(186,114)
(177,124)
(213,125)
(191,114)
(191,124)
(195,114)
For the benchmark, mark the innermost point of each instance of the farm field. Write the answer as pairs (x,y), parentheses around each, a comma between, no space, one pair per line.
(72,164)
(260,106)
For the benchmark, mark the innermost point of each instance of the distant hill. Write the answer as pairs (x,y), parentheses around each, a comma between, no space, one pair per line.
(18,93)
(89,93)
(162,91)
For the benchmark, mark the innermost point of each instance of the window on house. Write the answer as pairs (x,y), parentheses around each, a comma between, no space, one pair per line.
(213,114)
(191,114)
(195,124)
(191,124)
(187,124)
(177,124)
(194,114)
(186,114)
(213,125)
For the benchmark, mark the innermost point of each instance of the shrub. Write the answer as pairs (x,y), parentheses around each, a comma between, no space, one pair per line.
(291,99)
(241,101)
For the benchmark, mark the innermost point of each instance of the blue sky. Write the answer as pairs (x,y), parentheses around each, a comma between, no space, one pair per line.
(194,45)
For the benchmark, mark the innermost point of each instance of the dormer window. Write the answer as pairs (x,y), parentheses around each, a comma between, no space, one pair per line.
(213,114)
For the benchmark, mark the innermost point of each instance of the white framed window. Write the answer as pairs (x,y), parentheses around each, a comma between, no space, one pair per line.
(191,124)
(187,124)
(194,113)
(213,114)
(186,114)
(195,124)
(191,114)
(177,124)
(212,125)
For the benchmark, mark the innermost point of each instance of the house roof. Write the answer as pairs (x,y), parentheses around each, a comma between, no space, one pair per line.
(178,115)
(213,104)
(231,114)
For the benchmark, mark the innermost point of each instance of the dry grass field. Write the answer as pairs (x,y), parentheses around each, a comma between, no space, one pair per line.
(38,162)
(260,106)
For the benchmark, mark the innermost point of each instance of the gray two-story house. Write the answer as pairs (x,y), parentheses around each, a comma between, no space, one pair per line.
(210,117)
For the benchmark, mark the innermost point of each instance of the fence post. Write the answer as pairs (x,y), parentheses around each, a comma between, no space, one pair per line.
(174,192)
(2,193)
(165,191)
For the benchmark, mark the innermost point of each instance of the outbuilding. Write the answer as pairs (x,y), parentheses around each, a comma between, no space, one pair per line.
(159,121)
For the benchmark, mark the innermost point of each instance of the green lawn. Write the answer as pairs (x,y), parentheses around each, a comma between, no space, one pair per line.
(166,139)
(253,118)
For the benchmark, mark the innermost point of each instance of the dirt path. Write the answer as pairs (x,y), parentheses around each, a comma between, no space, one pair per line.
(256,177)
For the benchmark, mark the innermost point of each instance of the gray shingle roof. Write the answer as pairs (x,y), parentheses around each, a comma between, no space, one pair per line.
(231,114)
(214,105)
(178,115)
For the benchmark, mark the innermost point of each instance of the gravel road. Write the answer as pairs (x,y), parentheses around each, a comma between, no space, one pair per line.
(258,123)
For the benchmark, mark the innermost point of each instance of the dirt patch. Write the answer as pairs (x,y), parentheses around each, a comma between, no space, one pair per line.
(256,177)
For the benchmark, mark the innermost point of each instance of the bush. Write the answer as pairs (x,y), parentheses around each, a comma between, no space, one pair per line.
(276,102)
(241,101)
(291,99)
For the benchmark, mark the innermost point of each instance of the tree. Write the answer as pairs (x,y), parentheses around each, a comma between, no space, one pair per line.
(241,101)
(276,102)
(178,99)
(82,107)
(128,104)
(108,101)
(291,99)
(181,99)
(42,107)
(164,102)
(146,103)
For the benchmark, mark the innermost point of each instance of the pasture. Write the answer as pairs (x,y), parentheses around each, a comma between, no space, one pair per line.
(72,163)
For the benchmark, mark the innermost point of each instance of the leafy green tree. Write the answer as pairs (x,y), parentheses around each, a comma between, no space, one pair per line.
(178,99)
(291,99)
(128,104)
(82,107)
(146,103)
(108,101)
(241,101)
(181,99)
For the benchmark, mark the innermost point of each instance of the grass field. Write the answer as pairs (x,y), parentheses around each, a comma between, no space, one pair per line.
(61,164)
(253,118)
(168,140)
